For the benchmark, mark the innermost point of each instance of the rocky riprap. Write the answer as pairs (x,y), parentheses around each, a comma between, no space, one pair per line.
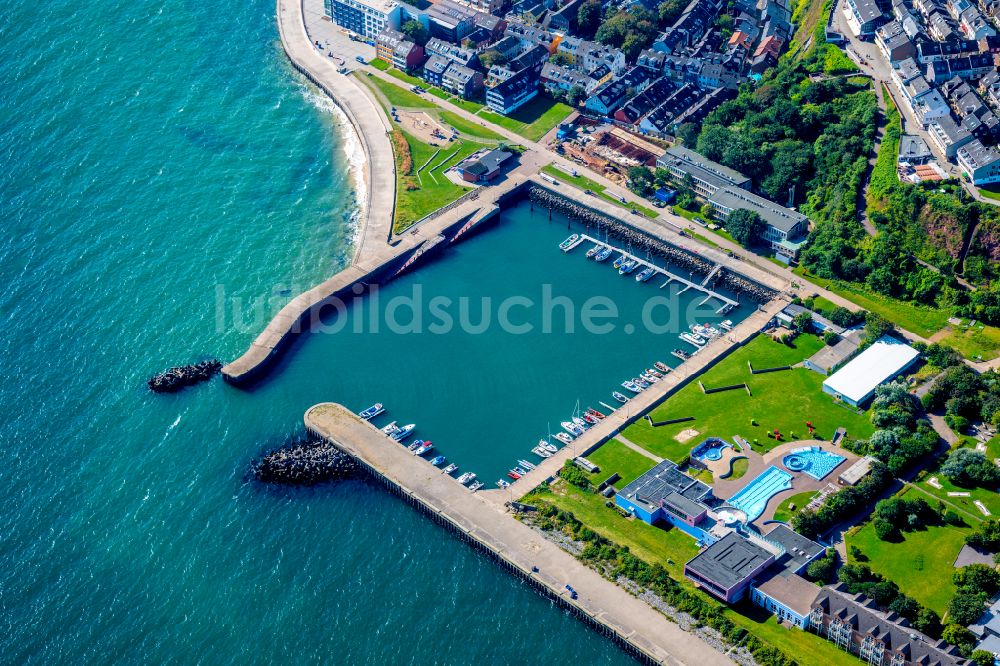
(175,379)
(638,240)
(303,462)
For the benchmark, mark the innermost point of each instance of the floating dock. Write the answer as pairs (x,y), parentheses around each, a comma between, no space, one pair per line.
(727,303)
(480,520)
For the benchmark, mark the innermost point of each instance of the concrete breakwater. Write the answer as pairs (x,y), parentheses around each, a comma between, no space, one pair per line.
(631,623)
(639,240)
(303,462)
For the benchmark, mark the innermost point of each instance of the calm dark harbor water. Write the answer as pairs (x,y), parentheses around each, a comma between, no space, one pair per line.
(164,168)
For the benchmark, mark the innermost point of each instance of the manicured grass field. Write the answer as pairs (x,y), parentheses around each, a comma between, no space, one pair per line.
(990,191)
(616,457)
(396,96)
(918,319)
(669,547)
(534,119)
(974,342)
(379,64)
(471,130)
(434,190)
(921,564)
(805,647)
(599,190)
(784,511)
(740,467)
(990,498)
(782,400)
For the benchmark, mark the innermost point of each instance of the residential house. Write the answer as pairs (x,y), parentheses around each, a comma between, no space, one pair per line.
(948,136)
(367,18)
(450,21)
(395,48)
(454,53)
(894,43)
(611,95)
(979,163)
(434,70)
(636,108)
(463,81)
(868,15)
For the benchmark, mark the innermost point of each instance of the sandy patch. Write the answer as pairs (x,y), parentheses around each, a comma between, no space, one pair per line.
(685,435)
(423,127)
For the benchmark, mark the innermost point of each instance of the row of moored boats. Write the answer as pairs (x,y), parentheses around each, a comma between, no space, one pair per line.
(642,381)
(420,447)
(701,334)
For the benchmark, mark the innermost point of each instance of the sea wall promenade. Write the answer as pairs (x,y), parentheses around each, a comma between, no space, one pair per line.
(630,622)
(367,118)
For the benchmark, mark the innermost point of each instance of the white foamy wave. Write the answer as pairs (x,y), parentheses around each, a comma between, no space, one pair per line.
(353,150)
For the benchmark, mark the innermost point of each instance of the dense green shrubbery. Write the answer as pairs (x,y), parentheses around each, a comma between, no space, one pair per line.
(616,561)
(901,439)
(574,475)
(859,578)
(838,506)
(896,515)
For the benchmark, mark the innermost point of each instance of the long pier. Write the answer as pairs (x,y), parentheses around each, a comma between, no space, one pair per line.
(631,623)
(728,303)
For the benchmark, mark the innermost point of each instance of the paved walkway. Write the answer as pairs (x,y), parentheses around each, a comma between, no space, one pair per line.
(638,449)
(366,116)
(515,543)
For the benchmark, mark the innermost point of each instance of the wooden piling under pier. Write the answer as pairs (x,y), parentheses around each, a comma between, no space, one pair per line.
(632,624)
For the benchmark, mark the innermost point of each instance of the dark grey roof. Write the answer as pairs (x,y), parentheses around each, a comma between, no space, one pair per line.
(684,506)
(798,549)
(862,614)
(661,481)
(729,561)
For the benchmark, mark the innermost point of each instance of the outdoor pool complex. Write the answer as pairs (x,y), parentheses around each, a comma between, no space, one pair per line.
(813,461)
(754,497)
(710,449)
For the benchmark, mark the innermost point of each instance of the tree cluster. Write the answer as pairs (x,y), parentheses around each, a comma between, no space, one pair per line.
(860,579)
(896,515)
(843,504)
(901,439)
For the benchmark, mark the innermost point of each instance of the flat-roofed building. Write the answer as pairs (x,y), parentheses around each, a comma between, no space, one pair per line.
(981,164)
(666,494)
(913,150)
(884,360)
(868,15)
(727,567)
(948,136)
(786,228)
(367,18)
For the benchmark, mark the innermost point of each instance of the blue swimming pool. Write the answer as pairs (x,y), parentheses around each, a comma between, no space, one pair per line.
(754,496)
(710,449)
(813,461)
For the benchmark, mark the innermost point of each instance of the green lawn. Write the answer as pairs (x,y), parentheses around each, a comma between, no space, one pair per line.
(740,467)
(784,511)
(467,104)
(669,547)
(534,119)
(616,457)
(782,400)
(919,319)
(433,189)
(921,564)
(396,96)
(823,306)
(470,129)
(804,647)
(380,64)
(974,342)
(990,498)
(599,190)
(990,191)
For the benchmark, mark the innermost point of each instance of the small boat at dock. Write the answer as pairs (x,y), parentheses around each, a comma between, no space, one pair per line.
(569,243)
(449,469)
(437,461)
(620,261)
(514,475)
(621,397)
(390,429)
(415,445)
(580,422)
(427,446)
(544,444)
(475,485)
(652,379)
(646,274)
(628,267)
(563,437)
(681,354)
(572,428)
(526,465)
(641,383)
(631,387)
(501,484)
(726,325)
(404,432)
(662,367)
(519,471)
(655,373)
(603,254)
(596,414)
(695,340)
(593,252)
(372,411)
(590,418)
(541,453)
(468,477)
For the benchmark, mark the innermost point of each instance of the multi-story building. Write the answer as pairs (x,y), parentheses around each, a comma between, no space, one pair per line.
(463,81)
(367,18)
(981,164)
(894,43)
(456,54)
(394,47)
(853,623)
(706,176)
(450,21)
(868,15)
(786,229)
(948,136)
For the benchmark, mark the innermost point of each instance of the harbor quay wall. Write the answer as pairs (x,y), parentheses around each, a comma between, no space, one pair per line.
(653,239)
(295,316)
(630,623)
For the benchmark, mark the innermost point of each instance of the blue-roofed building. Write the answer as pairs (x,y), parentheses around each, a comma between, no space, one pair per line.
(666,494)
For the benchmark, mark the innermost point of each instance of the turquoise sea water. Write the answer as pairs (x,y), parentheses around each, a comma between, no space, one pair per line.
(161,159)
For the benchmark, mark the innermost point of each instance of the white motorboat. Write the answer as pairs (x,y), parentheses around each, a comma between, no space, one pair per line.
(544,444)
(468,477)
(572,428)
(580,422)
(390,429)
(563,437)
(475,485)
(404,432)
(502,484)
(569,243)
(525,465)
(541,453)
(372,411)
(695,340)
(646,274)
(631,387)
(621,397)
(449,469)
